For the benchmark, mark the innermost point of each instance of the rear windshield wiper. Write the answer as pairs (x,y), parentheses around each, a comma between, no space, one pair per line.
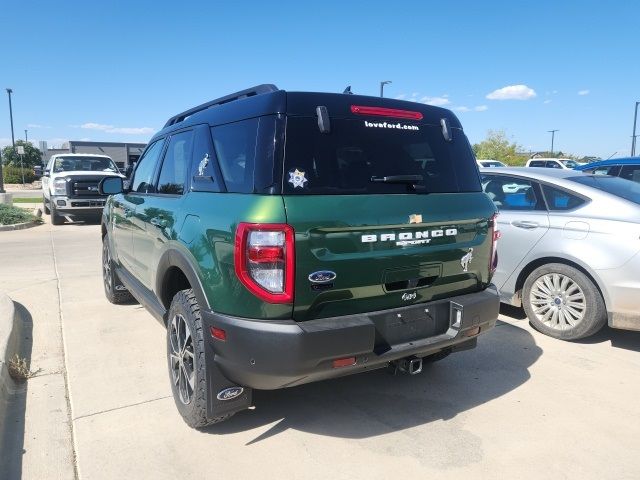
(408,179)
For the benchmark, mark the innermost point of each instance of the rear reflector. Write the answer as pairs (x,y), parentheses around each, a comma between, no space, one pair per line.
(218,334)
(344,362)
(386,112)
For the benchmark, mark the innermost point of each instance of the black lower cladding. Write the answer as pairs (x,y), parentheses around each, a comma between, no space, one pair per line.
(268,355)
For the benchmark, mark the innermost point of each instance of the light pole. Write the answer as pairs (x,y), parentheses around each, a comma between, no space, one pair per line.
(633,138)
(553,136)
(13,141)
(26,136)
(382,84)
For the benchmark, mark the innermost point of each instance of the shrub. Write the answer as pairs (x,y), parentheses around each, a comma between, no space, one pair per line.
(14,175)
(10,215)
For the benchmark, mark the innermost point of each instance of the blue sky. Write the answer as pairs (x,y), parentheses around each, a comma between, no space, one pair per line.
(115,71)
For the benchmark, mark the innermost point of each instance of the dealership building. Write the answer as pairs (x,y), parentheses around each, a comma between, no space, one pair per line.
(123,154)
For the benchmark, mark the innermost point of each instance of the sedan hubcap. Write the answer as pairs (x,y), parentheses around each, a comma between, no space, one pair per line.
(181,358)
(557,301)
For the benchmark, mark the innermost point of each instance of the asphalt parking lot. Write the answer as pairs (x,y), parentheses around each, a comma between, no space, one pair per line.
(521,405)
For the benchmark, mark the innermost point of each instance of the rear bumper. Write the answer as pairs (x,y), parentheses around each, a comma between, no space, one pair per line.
(275,354)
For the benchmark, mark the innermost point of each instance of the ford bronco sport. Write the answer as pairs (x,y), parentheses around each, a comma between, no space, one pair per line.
(288,237)
(70,186)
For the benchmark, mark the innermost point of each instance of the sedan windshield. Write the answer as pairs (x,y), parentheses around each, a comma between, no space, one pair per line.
(88,164)
(616,186)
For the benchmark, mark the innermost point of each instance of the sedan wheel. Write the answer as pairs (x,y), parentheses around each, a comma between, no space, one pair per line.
(563,302)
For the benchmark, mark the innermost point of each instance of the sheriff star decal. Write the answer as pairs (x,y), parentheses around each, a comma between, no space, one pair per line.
(297,178)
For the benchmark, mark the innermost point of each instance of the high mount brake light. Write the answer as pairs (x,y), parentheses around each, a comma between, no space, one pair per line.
(264,260)
(386,112)
(495,236)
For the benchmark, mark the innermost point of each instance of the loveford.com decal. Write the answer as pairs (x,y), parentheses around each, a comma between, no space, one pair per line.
(397,126)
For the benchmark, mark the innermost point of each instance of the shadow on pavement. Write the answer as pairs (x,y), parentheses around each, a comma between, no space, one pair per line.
(376,403)
(629,340)
(12,432)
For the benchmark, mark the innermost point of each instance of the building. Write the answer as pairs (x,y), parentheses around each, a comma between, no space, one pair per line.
(123,154)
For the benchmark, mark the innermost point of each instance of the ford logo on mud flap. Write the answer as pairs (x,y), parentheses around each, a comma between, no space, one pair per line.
(229,393)
(323,276)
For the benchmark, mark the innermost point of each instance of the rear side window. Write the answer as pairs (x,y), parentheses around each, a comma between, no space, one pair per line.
(537,163)
(613,185)
(142,181)
(553,164)
(558,199)
(238,145)
(603,170)
(346,160)
(177,160)
(631,172)
(511,193)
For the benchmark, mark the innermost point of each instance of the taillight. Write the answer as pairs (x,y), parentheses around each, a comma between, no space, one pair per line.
(495,236)
(386,112)
(264,260)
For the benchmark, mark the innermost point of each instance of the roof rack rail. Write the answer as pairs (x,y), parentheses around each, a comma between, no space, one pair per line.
(249,92)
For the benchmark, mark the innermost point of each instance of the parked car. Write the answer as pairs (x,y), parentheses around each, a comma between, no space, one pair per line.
(490,163)
(627,168)
(561,163)
(363,240)
(70,186)
(570,248)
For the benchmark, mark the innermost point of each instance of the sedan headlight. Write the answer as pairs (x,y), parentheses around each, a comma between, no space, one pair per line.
(59,186)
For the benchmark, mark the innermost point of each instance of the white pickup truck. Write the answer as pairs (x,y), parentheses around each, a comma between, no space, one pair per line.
(70,185)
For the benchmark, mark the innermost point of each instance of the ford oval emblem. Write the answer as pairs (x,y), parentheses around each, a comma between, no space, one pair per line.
(323,276)
(229,393)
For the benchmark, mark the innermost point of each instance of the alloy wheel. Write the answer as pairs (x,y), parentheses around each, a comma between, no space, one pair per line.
(558,301)
(106,267)
(181,358)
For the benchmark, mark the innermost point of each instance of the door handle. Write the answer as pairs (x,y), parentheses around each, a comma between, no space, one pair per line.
(525,224)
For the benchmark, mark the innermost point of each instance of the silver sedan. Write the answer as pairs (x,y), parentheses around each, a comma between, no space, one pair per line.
(570,248)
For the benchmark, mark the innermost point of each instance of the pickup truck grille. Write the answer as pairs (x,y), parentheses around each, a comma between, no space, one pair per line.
(84,188)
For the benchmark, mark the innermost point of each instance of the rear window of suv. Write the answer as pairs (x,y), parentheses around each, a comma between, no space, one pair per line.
(345,160)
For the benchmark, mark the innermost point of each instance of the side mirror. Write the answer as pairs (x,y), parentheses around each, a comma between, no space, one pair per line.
(110,186)
(47,173)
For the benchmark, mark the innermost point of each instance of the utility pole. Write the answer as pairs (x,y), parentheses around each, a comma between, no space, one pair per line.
(13,141)
(553,135)
(633,138)
(26,136)
(382,84)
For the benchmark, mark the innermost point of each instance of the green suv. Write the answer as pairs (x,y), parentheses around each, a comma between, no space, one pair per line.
(289,237)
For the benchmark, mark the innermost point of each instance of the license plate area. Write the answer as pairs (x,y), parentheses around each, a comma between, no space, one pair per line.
(412,323)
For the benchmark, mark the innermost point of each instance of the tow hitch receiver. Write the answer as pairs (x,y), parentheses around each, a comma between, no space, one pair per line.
(411,365)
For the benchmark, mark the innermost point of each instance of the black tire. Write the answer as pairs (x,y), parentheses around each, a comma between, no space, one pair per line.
(45,207)
(55,218)
(191,402)
(580,296)
(113,287)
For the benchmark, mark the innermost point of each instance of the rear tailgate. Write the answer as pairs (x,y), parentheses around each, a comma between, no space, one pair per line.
(372,252)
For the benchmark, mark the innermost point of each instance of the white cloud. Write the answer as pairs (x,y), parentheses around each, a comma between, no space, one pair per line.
(401,96)
(546,102)
(35,125)
(435,101)
(462,108)
(583,92)
(512,92)
(481,108)
(124,130)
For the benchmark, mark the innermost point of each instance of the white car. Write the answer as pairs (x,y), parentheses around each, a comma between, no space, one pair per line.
(70,185)
(562,163)
(490,163)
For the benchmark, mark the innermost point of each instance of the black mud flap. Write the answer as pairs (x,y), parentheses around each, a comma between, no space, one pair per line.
(225,396)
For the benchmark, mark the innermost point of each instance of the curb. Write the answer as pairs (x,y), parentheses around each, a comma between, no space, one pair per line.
(19,226)
(7,345)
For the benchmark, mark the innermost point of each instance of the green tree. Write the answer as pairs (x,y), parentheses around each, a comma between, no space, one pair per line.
(498,147)
(32,156)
